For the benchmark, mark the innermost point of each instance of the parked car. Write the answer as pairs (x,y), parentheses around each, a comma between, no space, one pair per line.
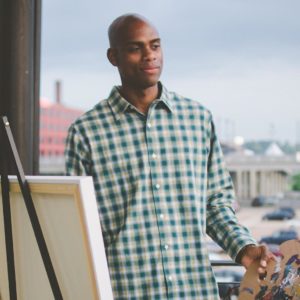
(228,282)
(264,201)
(228,275)
(278,215)
(289,209)
(279,237)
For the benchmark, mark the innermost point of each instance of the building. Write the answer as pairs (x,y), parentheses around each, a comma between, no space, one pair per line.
(256,175)
(55,119)
(252,174)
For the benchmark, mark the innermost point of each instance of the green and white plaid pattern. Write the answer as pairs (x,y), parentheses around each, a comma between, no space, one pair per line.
(161,185)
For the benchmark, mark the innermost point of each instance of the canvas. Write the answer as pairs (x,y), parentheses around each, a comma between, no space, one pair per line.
(68,214)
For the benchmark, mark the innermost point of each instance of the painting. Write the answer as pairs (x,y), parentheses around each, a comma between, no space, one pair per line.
(282,281)
(68,214)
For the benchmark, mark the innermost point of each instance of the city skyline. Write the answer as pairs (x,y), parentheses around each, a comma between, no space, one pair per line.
(240,60)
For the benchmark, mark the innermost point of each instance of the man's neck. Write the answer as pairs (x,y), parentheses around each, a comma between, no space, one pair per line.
(140,98)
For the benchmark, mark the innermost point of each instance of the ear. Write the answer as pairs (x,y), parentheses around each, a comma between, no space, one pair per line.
(112,56)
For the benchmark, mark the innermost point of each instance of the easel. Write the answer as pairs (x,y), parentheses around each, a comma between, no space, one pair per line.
(9,151)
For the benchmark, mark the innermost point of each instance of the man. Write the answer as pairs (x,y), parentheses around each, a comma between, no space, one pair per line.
(159,177)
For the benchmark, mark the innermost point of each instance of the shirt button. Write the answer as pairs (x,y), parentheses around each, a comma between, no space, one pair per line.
(154,156)
(149,125)
(157,186)
(166,247)
(162,216)
(170,278)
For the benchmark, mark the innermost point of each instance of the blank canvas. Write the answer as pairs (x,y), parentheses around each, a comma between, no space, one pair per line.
(68,214)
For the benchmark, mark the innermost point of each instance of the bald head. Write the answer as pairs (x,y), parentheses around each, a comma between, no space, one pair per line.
(121,25)
(135,49)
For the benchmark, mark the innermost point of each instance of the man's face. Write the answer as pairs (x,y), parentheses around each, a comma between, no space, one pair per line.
(138,55)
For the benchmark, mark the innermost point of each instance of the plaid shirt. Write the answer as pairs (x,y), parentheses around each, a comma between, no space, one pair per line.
(161,185)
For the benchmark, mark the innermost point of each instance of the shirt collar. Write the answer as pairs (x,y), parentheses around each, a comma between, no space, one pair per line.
(119,105)
(166,97)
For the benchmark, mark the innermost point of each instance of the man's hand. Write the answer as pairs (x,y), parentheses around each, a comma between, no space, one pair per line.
(253,253)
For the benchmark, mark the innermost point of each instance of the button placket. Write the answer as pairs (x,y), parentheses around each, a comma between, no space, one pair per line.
(157,186)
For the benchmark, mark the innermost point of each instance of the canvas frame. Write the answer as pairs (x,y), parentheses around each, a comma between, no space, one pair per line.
(68,214)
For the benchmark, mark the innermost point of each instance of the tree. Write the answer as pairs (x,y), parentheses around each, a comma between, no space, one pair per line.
(296,182)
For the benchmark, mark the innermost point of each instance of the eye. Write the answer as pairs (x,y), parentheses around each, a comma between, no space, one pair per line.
(155,46)
(133,48)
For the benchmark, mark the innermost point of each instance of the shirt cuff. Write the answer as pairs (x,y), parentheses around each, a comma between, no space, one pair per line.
(242,251)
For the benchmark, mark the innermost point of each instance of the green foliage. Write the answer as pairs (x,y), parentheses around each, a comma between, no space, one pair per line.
(296,182)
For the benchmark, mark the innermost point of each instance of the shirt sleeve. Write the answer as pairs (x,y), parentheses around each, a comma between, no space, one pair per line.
(221,223)
(77,154)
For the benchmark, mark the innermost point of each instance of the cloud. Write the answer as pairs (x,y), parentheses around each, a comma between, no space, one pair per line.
(241,57)
(253,99)
(187,27)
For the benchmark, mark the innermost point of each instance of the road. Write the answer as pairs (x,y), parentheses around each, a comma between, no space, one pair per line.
(251,217)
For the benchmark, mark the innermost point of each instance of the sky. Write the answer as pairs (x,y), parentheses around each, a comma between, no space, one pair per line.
(239,58)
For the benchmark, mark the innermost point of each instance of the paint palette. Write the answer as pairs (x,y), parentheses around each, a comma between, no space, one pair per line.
(283,277)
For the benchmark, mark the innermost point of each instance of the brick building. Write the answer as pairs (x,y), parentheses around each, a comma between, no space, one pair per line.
(55,119)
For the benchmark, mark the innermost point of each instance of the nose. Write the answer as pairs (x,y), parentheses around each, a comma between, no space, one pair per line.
(149,54)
